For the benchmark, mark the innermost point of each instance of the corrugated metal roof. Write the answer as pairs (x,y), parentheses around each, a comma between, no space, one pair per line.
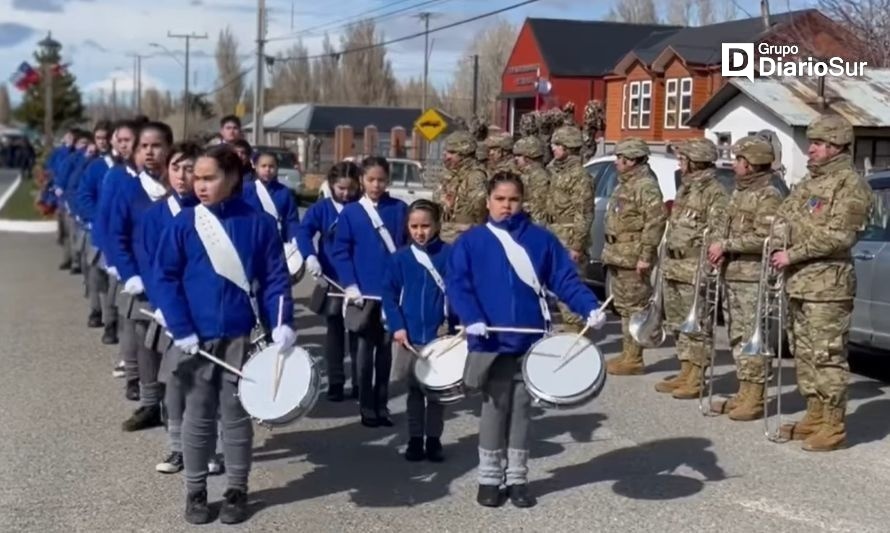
(864,101)
(286,117)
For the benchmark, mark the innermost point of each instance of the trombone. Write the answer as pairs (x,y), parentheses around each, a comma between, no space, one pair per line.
(701,321)
(646,326)
(769,320)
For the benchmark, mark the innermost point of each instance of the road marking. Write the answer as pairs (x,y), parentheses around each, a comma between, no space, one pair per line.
(803,516)
(10,191)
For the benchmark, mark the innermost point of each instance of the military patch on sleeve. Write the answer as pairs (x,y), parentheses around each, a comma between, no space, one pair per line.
(815,205)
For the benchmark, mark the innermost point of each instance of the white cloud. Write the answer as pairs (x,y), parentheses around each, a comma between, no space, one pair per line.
(122,82)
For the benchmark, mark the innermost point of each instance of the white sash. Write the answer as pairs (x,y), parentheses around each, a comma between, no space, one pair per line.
(378,223)
(426,262)
(152,188)
(522,265)
(174,206)
(266,200)
(109,161)
(131,171)
(221,251)
(337,206)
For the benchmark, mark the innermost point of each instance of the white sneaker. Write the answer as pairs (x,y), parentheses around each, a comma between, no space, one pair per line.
(215,466)
(118,371)
(171,465)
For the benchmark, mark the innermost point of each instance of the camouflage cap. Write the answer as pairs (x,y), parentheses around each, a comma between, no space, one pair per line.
(460,142)
(531,147)
(698,150)
(757,150)
(632,147)
(501,140)
(568,136)
(831,128)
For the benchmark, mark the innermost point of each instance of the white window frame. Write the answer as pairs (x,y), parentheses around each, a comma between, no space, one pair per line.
(680,110)
(624,105)
(646,96)
(633,95)
(668,93)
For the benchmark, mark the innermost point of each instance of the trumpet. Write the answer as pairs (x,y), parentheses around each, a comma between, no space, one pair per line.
(646,326)
(769,321)
(701,321)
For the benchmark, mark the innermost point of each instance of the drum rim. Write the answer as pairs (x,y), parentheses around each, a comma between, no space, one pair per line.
(303,407)
(587,394)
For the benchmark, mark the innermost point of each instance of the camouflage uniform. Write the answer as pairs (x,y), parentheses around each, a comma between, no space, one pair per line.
(535,177)
(825,214)
(594,121)
(461,192)
(571,204)
(751,210)
(700,204)
(634,225)
(505,163)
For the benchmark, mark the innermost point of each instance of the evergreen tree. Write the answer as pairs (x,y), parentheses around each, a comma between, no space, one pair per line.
(67,105)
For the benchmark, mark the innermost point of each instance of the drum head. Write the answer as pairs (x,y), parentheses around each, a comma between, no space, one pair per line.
(583,373)
(255,392)
(444,366)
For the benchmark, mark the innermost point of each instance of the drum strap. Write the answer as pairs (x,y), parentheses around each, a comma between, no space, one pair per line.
(266,199)
(522,265)
(378,223)
(426,262)
(152,188)
(221,251)
(173,205)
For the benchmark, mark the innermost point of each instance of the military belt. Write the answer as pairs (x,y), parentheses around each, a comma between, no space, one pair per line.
(624,237)
(683,254)
(733,256)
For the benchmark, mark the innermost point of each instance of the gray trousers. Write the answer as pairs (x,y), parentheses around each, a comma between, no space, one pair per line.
(73,241)
(64,234)
(129,343)
(203,399)
(109,305)
(504,424)
(174,407)
(425,418)
(148,362)
(97,288)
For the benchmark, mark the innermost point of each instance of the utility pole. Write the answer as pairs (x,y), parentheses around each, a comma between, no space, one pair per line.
(259,96)
(475,82)
(113,98)
(137,82)
(425,17)
(186,104)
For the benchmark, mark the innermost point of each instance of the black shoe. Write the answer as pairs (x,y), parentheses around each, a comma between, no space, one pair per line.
(143,418)
(335,393)
(520,496)
(132,391)
(95,320)
(172,464)
(370,422)
(415,449)
(234,508)
(434,450)
(489,496)
(65,265)
(109,336)
(75,270)
(354,393)
(196,509)
(384,420)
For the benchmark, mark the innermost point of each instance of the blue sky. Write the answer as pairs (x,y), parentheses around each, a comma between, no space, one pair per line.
(99,35)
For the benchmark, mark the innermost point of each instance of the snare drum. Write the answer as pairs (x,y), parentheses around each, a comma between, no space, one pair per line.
(295,264)
(579,381)
(302,382)
(440,370)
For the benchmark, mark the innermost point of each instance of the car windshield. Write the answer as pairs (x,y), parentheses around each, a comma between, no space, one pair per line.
(285,158)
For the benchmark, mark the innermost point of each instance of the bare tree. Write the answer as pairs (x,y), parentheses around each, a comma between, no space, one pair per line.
(705,13)
(366,73)
(5,106)
(155,105)
(639,11)
(679,12)
(228,70)
(292,80)
(493,46)
(411,94)
(326,73)
(699,12)
(868,28)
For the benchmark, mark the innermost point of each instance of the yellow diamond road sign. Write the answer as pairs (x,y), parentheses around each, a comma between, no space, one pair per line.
(430,124)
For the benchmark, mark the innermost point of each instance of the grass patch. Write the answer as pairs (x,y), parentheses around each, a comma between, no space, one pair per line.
(21,204)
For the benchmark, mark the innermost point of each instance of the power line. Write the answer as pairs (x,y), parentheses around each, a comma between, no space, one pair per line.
(407,37)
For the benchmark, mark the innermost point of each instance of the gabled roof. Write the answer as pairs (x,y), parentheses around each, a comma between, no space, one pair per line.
(587,48)
(864,101)
(317,118)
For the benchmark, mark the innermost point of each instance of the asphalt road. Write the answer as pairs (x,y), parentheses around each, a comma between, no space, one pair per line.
(633,460)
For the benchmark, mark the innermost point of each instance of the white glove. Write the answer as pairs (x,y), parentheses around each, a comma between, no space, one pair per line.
(134,286)
(188,345)
(113,272)
(479,328)
(58,191)
(355,295)
(596,319)
(284,337)
(313,266)
(159,318)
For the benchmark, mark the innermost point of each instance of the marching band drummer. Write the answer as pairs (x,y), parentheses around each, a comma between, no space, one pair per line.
(321,219)
(216,252)
(180,164)
(368,232)
(416,308)
(125,234)
(267,194)
(490,276)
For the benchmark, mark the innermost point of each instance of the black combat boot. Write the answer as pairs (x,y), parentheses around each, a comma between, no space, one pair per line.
(196,509)
(234,508)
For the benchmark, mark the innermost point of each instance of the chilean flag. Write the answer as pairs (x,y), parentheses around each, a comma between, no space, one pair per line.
(25,76)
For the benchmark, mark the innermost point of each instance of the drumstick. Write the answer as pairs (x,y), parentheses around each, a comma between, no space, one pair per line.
(278,360)
(532,331)
(337,295)
(220,362)
(566,358)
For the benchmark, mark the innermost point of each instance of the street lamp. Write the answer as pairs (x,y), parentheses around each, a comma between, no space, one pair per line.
(50,48)
(166,51)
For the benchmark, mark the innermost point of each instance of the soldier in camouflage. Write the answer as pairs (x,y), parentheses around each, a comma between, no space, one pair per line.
(461,192)
(594,121)
(700,204)
(634,224)
(571,204)
(751,210)
(529,152)
(500,153)
(824,214)
(479,130)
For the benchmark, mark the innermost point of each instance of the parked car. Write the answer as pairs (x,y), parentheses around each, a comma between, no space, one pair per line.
(405,181)
(871,308)
(288,167)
